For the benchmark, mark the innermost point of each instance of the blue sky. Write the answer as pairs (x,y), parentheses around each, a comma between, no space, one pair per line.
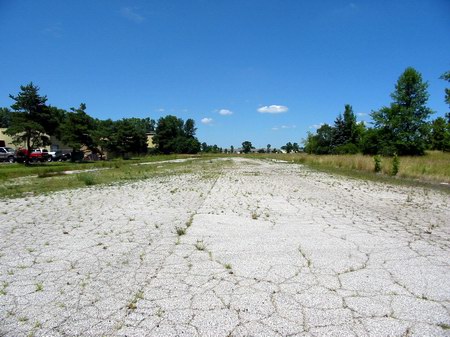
(267,71)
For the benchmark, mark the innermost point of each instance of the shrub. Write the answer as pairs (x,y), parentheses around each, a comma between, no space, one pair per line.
(395,165)
(377,161)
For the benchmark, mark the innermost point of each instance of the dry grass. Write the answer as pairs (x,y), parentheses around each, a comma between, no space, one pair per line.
(433,167)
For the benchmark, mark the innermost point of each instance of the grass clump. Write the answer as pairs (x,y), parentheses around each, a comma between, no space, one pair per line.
(87,179)
(180,230)
(200,245)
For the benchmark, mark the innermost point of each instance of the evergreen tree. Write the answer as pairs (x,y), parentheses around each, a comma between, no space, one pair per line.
(31,118)
(403,124)
(76,129)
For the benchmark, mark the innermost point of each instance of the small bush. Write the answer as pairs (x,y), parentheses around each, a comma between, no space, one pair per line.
(395,165)
(377,161)
(88,179)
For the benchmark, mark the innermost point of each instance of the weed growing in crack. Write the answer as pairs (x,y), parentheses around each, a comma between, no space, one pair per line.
(159,312)
(200,245)
(227,266)
(254,215)
(180,231)
(138,296)
(39,286)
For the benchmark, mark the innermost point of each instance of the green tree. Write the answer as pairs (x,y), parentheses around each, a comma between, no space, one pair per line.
(268,148)
(321,142)
(172,135)
(247,146)
(346,132)
(404,123)
(129,135)
(76,129)
(5,117)
(446,76)
(440,134)
(232,149)
(288,147)
(30,119)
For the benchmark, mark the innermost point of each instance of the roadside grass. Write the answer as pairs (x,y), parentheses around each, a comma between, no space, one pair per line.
(47,178)
(431,169)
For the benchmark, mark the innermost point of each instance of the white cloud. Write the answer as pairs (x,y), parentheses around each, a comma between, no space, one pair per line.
(273,109)
(316,126)
(207,120)
(160,110)
(275,128)
(131,14)
(225,112)
(361,114)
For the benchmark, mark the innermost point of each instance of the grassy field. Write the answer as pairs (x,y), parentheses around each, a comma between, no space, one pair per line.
(18,180)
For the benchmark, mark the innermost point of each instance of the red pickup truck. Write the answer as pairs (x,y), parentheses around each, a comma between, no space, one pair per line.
(35,155)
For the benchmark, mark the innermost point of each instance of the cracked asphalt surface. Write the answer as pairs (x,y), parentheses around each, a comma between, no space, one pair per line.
(269,249)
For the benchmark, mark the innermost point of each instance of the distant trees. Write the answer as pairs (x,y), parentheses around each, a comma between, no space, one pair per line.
(247,146)
(343,137)
(173,135)
(401,128)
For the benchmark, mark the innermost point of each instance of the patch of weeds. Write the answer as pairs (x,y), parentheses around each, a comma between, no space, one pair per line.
(39,287)
(138,296)
(444,326)
(189,222)
(180,231)
(159,312)
(255,215)
(200,245)
(23,319)
(227,266)
(10,272)
(409,198)
(87,179)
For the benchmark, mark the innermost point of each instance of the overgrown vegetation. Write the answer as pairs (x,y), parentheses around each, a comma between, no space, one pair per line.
(402,128)
(432,168)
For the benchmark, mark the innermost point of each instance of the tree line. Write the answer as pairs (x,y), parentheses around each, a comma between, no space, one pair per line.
(31,121)
(402,128)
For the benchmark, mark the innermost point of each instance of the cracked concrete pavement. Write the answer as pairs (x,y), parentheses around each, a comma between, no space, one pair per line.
(255,248)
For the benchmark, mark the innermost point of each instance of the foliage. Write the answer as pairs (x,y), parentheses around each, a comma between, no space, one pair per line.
(377,161)
(76,129)
(31,119)
(440,134)
(403,124)
(321,142)
(343,137)
(5,117)
(446,76)
(395,165)
(173,135)
(247,146)
(129,135)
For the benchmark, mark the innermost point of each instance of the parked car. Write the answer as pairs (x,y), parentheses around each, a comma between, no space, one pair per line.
(58,156)
(7,154)
(35,155)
